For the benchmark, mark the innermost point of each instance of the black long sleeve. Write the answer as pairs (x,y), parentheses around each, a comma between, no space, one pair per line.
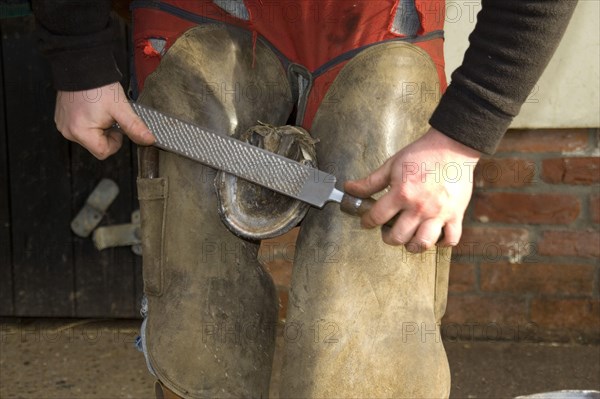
(78,37)
(509,49)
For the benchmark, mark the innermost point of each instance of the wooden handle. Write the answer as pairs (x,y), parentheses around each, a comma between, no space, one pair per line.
(359,206)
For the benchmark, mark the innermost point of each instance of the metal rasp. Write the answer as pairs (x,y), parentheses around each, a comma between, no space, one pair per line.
(248,162)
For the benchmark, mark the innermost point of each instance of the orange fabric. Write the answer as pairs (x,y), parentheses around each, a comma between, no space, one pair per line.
(149,23)
(316,95)
(432,14)
(309,33)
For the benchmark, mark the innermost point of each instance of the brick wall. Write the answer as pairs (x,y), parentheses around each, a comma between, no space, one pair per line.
(527,266)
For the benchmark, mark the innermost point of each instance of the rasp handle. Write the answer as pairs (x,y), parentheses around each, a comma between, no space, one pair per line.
(359,206)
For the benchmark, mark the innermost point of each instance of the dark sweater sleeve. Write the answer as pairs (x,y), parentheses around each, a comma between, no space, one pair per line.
(78,37)
(509,49)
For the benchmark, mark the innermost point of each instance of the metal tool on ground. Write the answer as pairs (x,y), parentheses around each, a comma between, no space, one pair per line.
(248,162)
(95,207)
(564,394)
(120,235)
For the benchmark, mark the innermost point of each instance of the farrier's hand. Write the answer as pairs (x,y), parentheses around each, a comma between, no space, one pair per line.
(430,185)
(83,116)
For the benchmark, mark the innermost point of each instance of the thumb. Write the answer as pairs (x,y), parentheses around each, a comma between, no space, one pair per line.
(375,182)
(132,125)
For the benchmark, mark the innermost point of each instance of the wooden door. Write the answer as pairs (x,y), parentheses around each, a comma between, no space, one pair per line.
(45,270)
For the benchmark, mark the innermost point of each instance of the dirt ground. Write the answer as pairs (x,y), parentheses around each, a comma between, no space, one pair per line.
(46,359)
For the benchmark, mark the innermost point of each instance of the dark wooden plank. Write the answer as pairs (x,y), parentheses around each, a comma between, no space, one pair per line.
(137,260)
(6,288)
(137,271)
(105,280)
(39,167)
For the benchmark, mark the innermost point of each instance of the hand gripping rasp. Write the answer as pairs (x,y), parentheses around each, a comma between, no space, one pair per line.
(248,162)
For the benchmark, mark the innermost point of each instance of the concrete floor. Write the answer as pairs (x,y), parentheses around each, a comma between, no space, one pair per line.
(96,359)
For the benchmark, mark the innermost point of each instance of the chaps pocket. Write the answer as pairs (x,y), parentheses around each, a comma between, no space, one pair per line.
(153,194)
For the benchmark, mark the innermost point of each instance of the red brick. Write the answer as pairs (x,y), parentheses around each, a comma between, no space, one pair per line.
(544,140)
(283,303)
(576,314)
(526,208)
(571,170)
(595,208)
(462,277)
(504,172)
(282,247)
(494,242)
(277,256)
(570,243)
(281,272)
(537,278)
(485,309)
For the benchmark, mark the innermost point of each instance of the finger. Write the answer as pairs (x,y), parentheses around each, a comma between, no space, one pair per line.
(375,182)
(99,144)
(384,209)
(426,236)
(115,139)
(403,230)
(132,125)
(452,233)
